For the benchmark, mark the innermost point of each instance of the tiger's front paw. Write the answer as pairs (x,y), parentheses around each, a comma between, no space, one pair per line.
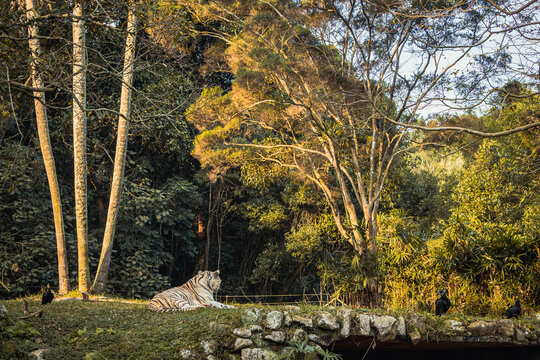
(224,306)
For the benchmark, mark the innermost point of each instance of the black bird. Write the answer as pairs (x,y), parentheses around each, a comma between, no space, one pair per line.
(442,304)
(513,311)
(47,296)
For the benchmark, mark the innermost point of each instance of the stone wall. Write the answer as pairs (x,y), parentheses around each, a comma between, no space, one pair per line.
(268,334)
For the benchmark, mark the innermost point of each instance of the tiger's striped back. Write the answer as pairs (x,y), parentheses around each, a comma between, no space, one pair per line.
(197,292)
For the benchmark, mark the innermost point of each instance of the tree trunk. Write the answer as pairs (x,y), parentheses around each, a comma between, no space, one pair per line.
(200,227)
(219,236)
(79,143)
(198,265)
(372,292)
(100,282)
(208,229)
(289,281)
(208,238)
(46,148)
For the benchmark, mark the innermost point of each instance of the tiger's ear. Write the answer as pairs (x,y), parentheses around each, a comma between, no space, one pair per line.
(216,273)
(200,272)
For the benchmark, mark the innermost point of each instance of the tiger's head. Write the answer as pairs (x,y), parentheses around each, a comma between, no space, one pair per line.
(211,278)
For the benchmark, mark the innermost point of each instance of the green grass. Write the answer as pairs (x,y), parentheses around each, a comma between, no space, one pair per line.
(110,330)
(119,330)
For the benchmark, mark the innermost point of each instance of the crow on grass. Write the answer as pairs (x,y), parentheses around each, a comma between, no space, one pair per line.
(513,311)
(442,304)
(47,296)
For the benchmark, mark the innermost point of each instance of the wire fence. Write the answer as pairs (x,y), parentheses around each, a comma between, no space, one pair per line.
(320,299)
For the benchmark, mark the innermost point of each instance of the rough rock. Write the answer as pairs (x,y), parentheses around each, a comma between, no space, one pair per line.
(251,316)
(304,321)
(506,327)
(457,338)
(401,327)
(268,331)
(186,354)
(455,326)
(242,332)
(241,344)
(255,329)
(505,339)
(386,327)
(520,335)
(258,341)
(482,328)
(531,335)
(321,339)
(345,315)
(38,354)
(258,354)
(362,323)
(327,321)
(415,336)
(417,322)
(274,319)
(481,339)
(220,329)
(297,336)
(276,336)
(209,346)
(287,319)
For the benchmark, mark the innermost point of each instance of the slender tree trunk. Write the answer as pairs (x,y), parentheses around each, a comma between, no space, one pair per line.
(100,281)
(200,228)
(46,148)
(208,238)
(200,235)
(219,236)
(208,229)
(79,143)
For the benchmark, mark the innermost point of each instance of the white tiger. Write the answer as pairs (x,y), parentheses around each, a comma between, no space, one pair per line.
(197,292)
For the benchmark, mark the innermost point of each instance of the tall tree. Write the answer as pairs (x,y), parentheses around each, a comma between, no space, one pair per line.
(151,216)
(79,142)
(329,92)
(45,144)
(100,281)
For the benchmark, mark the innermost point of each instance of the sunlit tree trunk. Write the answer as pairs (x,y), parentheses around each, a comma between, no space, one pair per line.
(120,154)
(219,235)
(46,148)
(79,143)
(208,228)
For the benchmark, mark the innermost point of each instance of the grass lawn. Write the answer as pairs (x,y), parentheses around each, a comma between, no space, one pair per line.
(118,330)
(109,330)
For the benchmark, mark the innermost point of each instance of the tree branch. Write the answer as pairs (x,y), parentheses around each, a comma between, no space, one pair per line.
(468,131)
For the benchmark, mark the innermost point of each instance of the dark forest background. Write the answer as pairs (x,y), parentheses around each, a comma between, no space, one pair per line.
(463,215)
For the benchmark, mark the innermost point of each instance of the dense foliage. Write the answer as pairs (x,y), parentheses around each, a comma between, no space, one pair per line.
(456,212)
(486,251)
